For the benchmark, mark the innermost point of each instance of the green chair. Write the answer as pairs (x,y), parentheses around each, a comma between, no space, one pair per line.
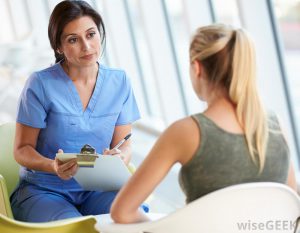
(5,208)
(9,168)
(9,176)
(72,225)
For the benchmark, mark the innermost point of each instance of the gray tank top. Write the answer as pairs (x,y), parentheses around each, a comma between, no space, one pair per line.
(223,159)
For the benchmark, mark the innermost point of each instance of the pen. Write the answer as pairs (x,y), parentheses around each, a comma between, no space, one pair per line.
(122,141)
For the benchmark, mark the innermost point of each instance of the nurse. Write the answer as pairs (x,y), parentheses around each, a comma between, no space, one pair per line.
(76,101)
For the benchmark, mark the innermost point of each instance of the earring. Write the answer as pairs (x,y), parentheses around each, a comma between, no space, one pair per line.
(59,52)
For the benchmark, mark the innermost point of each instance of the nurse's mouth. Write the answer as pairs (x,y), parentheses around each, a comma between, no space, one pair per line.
(87,57)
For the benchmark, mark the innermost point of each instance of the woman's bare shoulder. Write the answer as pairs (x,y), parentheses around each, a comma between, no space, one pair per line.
(185,135)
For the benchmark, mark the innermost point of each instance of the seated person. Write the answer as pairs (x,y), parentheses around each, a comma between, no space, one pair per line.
(233,141)
(74,102)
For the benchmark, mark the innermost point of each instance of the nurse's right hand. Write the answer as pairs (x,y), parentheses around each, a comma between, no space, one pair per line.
(65,170)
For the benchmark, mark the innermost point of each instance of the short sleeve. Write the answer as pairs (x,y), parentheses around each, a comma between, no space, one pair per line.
(130,111)
(31,108)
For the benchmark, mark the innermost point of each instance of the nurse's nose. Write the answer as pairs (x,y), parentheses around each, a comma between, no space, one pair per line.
(85,45)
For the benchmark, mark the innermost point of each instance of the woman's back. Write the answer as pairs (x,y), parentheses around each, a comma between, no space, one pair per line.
(223,159)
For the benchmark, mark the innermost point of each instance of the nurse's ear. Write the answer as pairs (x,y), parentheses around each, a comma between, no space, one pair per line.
(59,51)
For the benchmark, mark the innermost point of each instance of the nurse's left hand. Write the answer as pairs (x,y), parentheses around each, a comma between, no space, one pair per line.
(113,152)
(65,170)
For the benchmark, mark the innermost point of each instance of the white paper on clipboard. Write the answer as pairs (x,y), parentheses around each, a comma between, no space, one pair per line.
(108,174)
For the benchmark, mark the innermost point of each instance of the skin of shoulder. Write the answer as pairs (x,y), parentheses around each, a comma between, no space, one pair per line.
(185,134)
(178,143)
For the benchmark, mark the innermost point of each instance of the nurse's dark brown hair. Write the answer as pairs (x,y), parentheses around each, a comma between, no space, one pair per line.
(64,13)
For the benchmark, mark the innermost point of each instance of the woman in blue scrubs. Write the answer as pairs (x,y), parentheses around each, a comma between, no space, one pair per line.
(77,101)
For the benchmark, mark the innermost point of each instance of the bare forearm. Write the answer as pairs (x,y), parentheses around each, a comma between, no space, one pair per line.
(291,181)
(134,217)
(27,156)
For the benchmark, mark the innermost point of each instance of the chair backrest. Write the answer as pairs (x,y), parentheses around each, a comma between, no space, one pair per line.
(73,225)
(9,168)
(262,207)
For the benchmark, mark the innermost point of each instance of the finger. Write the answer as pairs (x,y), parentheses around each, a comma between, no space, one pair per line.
(67,174)
(74,167)
(58,162)
(115,151)
(65,177)
(112,152)
(106,151)
(62,175)
(66,166)
(73,170)
(60,151)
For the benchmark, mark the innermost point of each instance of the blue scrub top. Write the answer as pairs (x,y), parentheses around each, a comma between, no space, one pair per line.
(50,101)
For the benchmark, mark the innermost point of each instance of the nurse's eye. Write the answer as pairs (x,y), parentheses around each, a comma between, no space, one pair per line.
(91,34)
(72,40)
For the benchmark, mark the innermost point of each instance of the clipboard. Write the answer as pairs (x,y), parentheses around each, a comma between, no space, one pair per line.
(83,160)
(109,173)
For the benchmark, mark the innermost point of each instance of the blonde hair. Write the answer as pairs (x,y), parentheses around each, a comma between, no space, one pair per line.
(228,58)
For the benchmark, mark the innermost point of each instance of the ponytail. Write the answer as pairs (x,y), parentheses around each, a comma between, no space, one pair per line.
(228,58)
(244,94)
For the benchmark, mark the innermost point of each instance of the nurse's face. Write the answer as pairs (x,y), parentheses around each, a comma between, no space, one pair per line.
(80,42)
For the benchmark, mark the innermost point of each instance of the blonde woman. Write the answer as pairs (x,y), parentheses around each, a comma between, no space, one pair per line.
(233,141)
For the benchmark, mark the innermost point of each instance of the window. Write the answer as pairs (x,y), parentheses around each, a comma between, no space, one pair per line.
(227,12)
(6,32)
(288,15)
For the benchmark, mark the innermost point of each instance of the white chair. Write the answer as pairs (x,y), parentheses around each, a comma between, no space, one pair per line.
(244,208)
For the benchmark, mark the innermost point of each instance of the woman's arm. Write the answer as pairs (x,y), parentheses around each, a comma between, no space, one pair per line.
(291,181)
(124,151)
(26,155)
(177,144)
(292,178)
(24,149)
